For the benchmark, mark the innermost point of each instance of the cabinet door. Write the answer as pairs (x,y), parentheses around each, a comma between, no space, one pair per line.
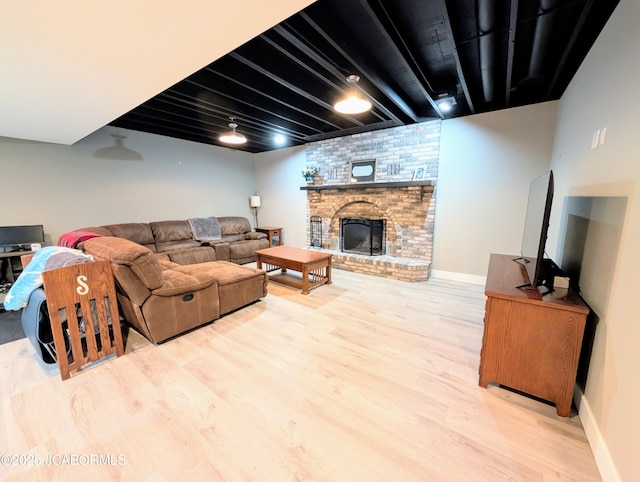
(531,348)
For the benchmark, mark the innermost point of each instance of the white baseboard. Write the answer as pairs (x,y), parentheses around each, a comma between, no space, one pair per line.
(466,278)
(605,464)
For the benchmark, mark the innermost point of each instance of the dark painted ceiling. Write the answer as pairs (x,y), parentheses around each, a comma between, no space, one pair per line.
(488,54)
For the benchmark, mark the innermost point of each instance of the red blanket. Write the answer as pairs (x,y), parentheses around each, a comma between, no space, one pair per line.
(72,239)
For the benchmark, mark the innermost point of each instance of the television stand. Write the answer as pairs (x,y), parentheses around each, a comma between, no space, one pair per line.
(531,342)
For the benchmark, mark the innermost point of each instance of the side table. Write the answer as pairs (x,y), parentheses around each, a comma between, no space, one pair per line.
(271,234)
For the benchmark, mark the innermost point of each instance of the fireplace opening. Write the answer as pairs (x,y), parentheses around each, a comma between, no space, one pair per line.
(362,236)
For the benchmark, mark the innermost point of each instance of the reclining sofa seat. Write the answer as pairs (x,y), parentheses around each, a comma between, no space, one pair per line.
(162,299)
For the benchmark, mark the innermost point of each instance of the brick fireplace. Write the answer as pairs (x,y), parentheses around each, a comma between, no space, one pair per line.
(408,211)
(401,193)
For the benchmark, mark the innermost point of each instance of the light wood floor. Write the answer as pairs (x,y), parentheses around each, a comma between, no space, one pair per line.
(367,379)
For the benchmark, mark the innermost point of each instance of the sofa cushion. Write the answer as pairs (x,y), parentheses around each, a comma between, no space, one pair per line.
(232,238)
(172,235)
(238,285)
(230,225)
(245,251)
(226,273)
(137,232)
(184,279)
(202,254)
(141,260)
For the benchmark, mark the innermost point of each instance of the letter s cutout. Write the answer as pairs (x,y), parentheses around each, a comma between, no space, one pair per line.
(83,287)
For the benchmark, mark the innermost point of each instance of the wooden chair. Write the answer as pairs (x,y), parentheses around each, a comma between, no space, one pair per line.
(81,299)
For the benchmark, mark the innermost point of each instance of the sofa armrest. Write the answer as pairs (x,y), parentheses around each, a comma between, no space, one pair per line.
(121,251)
(222,251)
(255,236)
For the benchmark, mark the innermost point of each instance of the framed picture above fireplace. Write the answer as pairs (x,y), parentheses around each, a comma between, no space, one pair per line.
(362,171)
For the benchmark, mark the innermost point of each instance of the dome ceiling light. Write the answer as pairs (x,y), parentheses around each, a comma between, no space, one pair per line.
(445,103)
(232,137)
(355,102)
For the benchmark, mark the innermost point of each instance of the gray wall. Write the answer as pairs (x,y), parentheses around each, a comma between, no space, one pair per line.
(486,164)
(67,187)
(605,93)
(279,177)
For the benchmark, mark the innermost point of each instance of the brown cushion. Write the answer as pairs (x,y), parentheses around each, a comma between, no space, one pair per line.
(137,232)
(232,238)
(180,280)
(201,254)
(226,273)
(172,235)
(165,231)
(234,225)
(122,251)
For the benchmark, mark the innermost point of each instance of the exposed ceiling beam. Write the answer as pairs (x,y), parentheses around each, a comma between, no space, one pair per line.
(511,47)
(280,101)
(248,104)
(402,52)
(588,6)
(223,115)
(359,62)
(295,89)
(353,130)
(319,59)
(460,71)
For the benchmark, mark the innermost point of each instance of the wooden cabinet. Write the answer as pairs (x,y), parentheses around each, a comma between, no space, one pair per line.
(531,343)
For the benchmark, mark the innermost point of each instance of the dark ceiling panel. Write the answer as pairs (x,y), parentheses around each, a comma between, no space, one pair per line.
(487,54)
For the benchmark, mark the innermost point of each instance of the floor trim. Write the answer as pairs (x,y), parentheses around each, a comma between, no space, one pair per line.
(598,445)
(463,277)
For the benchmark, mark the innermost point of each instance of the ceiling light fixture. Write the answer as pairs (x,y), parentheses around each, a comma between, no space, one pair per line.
(279,140)
(445,104)
(354,103)
(232,137)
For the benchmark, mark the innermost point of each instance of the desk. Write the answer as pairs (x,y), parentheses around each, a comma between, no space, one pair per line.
(13,267)
(531,342)
(272,233)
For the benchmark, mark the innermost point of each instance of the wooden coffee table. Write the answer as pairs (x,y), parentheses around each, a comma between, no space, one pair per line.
(315,266)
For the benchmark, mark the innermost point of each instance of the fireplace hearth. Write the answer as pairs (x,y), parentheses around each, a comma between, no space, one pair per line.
(362,236)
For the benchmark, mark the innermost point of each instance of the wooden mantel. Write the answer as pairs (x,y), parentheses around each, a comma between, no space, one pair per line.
(368,185)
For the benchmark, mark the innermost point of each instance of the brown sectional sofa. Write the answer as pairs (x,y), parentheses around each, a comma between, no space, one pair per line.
(169,283)
(174,239)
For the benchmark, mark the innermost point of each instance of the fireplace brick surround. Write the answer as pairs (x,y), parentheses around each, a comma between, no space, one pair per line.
(407,206)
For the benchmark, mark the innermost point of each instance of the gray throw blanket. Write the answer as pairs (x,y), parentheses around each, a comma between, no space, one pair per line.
(61,260)
(205,229)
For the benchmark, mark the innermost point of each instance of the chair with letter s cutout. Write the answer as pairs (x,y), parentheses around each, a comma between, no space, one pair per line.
(83,311)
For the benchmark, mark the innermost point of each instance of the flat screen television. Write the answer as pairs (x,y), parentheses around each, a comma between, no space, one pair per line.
(19,236)
(536,225)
